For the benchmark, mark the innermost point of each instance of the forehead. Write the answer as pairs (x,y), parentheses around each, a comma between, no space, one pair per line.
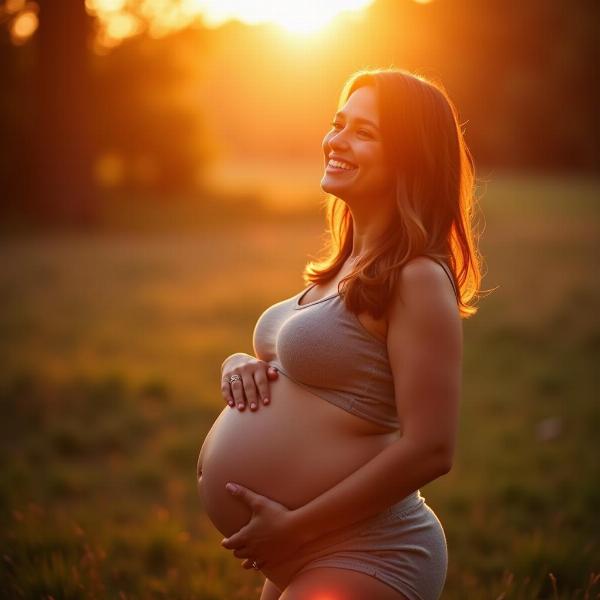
(362,103)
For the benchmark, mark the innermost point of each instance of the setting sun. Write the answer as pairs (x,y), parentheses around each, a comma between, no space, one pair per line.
(289,14)
(120,19)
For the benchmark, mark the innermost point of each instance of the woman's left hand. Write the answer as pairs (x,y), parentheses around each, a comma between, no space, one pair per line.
(270,536)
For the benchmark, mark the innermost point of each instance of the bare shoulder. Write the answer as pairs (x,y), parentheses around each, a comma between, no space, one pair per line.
(424,292)
(424,346)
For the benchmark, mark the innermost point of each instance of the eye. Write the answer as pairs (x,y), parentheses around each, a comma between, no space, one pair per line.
(335,125)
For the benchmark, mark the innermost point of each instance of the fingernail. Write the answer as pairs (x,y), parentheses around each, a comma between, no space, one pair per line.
(266,401)
(231,403)
(240,405)
(253,406)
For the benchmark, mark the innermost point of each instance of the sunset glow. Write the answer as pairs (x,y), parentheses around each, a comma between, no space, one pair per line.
(291,15)
(120,19)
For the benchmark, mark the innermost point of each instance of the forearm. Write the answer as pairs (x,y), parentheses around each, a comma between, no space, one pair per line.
(393,474)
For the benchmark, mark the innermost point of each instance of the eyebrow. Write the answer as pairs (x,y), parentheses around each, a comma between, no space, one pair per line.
(361,119)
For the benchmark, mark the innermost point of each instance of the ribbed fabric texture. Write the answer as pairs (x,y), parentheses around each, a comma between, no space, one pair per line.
(324,348)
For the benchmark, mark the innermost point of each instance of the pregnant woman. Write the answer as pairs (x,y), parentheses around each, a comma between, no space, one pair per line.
(351,402)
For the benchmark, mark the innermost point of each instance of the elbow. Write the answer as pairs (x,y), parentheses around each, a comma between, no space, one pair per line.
(438,457)
(444,460)
(445,466)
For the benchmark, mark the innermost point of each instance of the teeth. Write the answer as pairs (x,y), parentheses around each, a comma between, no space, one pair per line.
(341,165)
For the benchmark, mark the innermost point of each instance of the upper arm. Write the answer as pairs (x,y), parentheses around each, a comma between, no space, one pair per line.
(424,345)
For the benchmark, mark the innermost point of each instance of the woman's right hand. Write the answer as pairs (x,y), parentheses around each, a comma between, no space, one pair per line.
(253,387)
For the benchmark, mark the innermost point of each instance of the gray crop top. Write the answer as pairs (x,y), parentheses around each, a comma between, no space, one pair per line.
(324,348)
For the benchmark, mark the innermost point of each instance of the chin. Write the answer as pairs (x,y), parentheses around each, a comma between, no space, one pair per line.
(330,188)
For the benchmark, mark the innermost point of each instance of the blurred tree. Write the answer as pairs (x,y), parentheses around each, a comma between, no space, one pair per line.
(145,117)
(64,110)
(63,150)
(16,110)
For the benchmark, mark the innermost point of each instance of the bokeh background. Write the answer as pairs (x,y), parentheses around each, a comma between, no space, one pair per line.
(160,164)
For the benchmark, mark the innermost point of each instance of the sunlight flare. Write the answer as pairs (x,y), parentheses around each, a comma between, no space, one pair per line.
(119,18)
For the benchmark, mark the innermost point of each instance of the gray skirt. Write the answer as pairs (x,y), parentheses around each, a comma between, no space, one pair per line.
(403,546)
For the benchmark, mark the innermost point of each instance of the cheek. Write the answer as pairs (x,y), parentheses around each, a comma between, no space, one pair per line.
(379,175)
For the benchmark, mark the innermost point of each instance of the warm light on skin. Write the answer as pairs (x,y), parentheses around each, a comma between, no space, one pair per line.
(167,16)
(362,145)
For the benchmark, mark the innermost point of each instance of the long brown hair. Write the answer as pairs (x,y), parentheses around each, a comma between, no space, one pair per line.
(435,196)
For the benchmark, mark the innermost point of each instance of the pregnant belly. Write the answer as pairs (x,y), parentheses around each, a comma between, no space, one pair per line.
(291,451)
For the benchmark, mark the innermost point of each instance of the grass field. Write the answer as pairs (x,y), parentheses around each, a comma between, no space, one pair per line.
(110,351)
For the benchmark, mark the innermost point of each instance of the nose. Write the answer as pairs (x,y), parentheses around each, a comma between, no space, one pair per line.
(335,141)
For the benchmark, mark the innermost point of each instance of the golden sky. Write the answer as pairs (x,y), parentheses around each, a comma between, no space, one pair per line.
(122,18)
(261,77)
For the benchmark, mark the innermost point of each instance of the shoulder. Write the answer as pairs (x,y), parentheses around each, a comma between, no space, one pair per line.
(423,290)
(423,270)
(424,345)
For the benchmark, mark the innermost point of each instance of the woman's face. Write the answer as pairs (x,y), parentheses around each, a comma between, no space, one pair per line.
(355,138)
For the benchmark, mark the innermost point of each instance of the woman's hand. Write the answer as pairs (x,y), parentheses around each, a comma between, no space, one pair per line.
(270,537)
(253,385)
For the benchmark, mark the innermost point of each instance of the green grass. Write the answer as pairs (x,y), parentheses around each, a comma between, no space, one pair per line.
(110,348)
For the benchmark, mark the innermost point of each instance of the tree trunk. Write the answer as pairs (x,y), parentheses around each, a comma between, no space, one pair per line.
(64,191)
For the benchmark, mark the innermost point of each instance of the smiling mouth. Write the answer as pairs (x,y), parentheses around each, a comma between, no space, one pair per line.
(335,169)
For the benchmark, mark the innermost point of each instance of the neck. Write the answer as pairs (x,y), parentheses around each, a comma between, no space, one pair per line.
(366,238)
